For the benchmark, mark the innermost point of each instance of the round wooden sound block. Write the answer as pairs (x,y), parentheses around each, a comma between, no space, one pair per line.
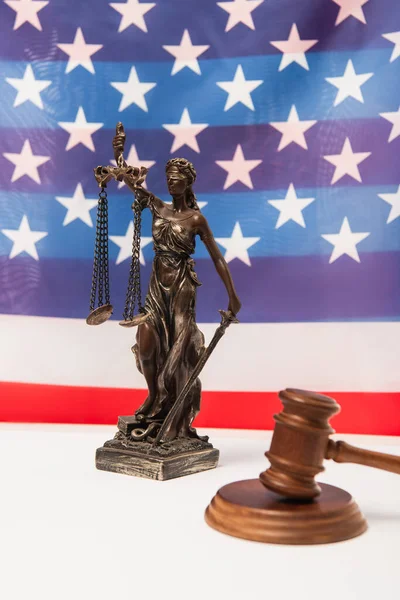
(248,510)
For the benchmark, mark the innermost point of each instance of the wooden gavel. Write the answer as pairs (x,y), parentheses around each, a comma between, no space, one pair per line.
(301,442)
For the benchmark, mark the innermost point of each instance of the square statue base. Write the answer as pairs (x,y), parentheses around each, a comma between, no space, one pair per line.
(166,461)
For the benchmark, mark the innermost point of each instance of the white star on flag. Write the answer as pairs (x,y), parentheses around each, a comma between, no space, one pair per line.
(294,49)
(201,205)
(394,201)
(24,239)
(240,12)
(78,207)
(80,131)
(349,84)
(293,130)
(133,91)
(236,246)
(238,168)
(395,39)
(185,132)
(26,163)
(346,162)
(27,12)
(350,8)
(345,242)
(125,244)
(239,90)
(132,12)
(394,118)
(28,88)
(134,160)
(291,208)
(186,54)
(79,53)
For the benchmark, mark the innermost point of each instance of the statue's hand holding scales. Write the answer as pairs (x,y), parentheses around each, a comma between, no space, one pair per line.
(133,176)
(119,144)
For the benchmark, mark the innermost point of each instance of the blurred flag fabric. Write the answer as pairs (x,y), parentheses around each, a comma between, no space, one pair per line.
(290,112)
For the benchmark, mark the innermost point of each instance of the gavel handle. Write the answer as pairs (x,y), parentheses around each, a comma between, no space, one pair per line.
(344,453)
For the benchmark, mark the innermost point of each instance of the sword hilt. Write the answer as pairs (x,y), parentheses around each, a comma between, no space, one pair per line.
(228,317)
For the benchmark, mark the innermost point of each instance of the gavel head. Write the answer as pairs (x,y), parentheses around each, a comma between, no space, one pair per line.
(299,443)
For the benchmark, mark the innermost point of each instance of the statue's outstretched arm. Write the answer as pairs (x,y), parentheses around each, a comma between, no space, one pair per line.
(220,263)
(145,198)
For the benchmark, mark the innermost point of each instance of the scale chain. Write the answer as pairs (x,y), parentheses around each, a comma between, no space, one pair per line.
(133,294)
(106,279)
(100,280)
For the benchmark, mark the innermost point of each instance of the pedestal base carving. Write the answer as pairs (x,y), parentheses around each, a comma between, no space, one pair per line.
(166,461)
(246,509)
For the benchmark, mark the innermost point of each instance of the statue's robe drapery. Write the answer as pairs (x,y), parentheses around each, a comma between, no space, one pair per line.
(170,305)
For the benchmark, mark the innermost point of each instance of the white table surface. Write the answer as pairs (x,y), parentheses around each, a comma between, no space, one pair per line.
(69,531)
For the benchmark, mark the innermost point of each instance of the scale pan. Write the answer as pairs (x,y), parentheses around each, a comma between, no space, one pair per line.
(137,320)
(100,314)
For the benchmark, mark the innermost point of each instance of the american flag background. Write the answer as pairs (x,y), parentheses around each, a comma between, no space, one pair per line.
(290,112)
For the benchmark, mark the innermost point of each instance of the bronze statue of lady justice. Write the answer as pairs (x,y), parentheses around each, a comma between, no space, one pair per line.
(158,441)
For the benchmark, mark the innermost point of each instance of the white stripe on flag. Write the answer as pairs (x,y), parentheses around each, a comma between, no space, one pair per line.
(362,357)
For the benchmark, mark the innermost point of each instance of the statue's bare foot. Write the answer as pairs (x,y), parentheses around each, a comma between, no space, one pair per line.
(142,411)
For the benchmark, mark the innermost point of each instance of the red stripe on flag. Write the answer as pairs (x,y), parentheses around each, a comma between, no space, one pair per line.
(364,413)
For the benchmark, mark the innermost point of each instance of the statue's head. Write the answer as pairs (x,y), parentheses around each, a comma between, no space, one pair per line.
(181,174)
